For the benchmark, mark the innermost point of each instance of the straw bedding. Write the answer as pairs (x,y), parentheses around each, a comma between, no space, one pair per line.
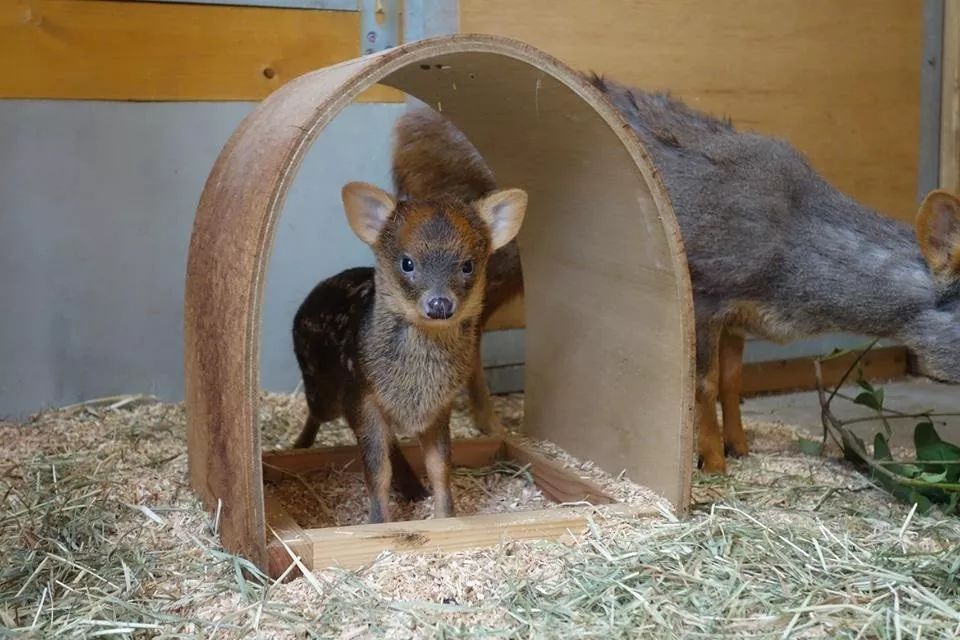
(101,536)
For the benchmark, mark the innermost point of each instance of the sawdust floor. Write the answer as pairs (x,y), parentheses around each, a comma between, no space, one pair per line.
(101,535)
(336,497)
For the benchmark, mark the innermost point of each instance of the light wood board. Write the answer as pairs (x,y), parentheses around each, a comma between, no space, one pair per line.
(107,50)
(352,547)
(797,374)
(839,80)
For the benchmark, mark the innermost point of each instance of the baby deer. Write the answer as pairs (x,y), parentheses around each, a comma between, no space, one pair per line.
(389,347)
(431,159)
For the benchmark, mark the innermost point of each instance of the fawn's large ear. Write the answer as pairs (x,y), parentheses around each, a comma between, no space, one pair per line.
(368,209)
(938,232)
(503,212)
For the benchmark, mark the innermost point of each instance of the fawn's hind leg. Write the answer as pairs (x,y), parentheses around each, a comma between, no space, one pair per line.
(435,442)
(319,410)
(731,382)
(405,481)
(309,432)
(710,438)
(481,404)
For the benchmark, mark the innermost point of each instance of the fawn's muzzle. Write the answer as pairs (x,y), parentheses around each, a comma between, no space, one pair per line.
(439,308)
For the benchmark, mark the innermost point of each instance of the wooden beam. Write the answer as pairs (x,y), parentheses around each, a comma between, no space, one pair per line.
(284,536)
(479,452)
(352,547)
(559,483)
(103,50)
(797,374)
(950,99)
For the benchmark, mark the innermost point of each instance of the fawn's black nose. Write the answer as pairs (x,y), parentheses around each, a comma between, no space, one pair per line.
(439,308)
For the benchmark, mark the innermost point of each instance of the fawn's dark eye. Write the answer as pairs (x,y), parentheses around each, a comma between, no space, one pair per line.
(406,264)
(467,267)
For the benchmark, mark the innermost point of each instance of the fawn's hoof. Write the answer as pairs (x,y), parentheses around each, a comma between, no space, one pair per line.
(303,443)
(409,487)
(414,493)
(490,426)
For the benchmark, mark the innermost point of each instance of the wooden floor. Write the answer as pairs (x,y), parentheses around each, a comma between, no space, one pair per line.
(293,549)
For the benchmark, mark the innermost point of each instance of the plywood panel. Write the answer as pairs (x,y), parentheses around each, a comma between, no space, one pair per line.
(597,387)
(104,50)
(839,80)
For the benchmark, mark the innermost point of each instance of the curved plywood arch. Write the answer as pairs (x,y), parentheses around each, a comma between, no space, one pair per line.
(610,339)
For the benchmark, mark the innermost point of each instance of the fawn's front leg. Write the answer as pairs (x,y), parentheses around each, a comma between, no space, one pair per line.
(731,383)
(435,442)
(375,441)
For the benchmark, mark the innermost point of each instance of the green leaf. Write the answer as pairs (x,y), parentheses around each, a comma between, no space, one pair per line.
(881,450)
(930,446)
(933,478)
(925,435)
(849,452)
(881,453)
(872,399)
(866,386)
(810,447)
(905,494)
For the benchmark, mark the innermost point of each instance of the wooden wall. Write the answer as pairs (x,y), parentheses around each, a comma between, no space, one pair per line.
(838,79)
(113,50)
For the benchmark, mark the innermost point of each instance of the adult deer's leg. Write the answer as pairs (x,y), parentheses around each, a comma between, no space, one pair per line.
(731,384)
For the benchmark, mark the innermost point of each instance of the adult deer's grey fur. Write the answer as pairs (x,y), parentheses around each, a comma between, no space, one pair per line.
(777,251)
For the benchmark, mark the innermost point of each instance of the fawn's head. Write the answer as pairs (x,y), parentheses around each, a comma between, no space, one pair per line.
(432,255)
(935,332)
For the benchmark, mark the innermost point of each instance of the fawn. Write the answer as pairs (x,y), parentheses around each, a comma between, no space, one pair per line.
(389,347)
(432,158)
(776,251)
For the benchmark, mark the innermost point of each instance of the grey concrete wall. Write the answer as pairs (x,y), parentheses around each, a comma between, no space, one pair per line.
(96,206)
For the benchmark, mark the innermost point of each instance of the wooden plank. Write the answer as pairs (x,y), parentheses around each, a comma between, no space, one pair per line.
(284,536)
(950,99)
(103,50)
(797,374)
(557,482)
(474,453)
(356,546)
(797,70)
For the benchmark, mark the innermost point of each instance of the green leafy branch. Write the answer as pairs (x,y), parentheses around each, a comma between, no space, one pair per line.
(932,478)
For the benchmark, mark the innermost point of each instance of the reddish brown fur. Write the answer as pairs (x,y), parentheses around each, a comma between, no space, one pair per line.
(432,158)
(368,349)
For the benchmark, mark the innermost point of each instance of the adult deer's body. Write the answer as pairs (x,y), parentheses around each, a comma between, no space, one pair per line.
(776,251)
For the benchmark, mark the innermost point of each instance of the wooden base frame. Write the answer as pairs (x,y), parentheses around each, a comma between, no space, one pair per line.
(609,371)
(293,548)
